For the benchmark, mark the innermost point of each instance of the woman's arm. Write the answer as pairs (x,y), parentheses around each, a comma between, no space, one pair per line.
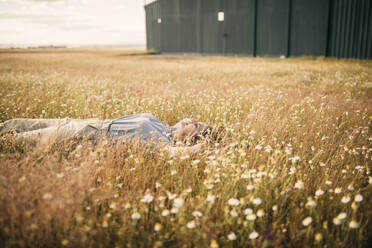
(174,151)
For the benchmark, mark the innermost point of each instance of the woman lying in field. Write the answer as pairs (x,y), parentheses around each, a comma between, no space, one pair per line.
(137,127)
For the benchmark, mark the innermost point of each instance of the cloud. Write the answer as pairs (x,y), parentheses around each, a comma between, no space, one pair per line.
(72,21)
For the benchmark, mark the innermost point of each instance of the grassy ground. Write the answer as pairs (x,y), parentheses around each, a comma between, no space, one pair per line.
(295,171)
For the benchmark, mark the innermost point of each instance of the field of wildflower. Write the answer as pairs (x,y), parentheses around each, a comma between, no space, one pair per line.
(293,169)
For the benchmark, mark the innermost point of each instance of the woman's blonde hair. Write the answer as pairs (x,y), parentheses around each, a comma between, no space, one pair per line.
(190,131)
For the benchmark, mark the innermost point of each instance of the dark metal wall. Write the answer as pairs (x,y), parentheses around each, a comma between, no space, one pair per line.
(308,27)
(272,27)
(189,31)
(238,27)
(335,28)
(350,34)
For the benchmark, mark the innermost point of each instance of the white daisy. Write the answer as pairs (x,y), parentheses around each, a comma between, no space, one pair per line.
(307,221)
(253,235)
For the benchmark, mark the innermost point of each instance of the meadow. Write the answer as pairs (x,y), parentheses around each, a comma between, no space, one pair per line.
(293,169)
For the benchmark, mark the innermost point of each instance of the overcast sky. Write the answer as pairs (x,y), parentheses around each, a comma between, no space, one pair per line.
(72,22)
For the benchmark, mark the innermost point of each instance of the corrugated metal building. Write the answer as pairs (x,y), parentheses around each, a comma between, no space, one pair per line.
(332,28)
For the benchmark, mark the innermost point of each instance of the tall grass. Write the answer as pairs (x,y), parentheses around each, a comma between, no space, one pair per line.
(294,173)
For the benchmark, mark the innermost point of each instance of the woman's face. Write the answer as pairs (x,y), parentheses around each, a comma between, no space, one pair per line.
(188,130)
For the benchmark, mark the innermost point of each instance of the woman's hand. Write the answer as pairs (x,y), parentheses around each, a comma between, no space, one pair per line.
(176,151)
(195,148)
